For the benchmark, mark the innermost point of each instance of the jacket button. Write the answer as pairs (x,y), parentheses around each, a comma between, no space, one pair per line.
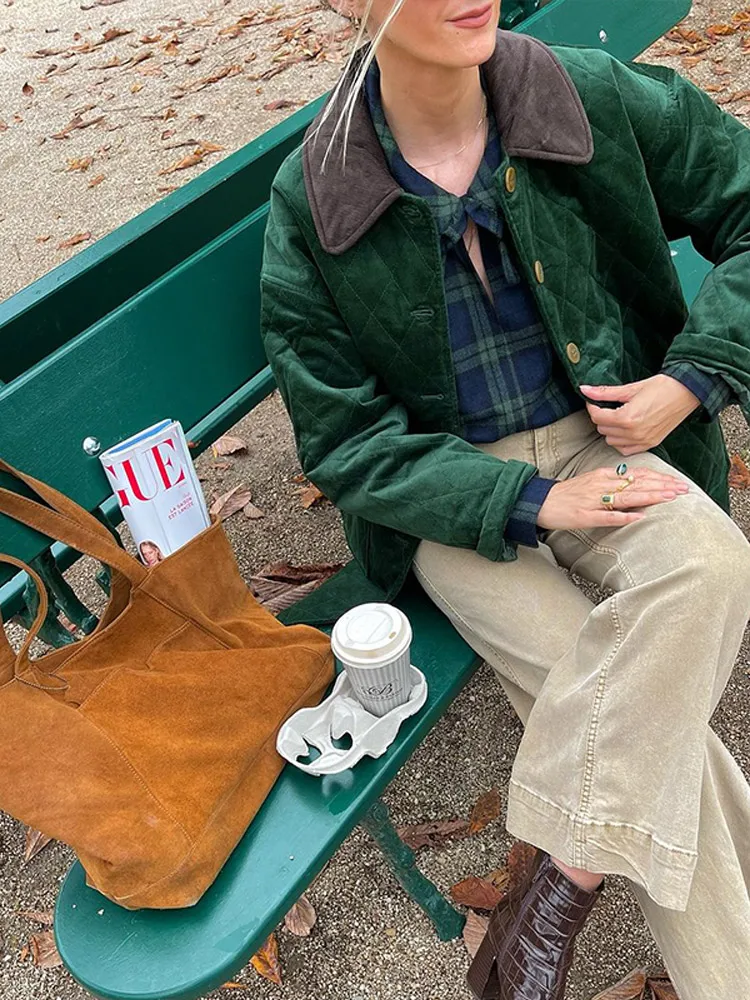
(573,353)
(539,272)
(511,179)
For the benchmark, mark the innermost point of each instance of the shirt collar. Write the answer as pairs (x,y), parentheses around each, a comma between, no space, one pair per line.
(450,210)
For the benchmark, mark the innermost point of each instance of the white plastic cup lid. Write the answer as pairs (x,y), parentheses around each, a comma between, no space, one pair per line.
(371,634)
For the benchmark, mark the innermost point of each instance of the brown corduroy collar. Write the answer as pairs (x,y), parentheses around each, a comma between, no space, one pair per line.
(538,112)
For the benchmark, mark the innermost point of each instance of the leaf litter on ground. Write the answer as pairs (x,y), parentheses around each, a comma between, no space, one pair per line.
(228,445)
(266,960)
(35,841)
(300,920)
(44,951)
(278,586)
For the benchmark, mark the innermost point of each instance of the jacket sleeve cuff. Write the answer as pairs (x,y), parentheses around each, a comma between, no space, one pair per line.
(711,389)
(521,526)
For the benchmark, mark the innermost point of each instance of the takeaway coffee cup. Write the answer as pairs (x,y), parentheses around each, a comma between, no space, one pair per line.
(372,643)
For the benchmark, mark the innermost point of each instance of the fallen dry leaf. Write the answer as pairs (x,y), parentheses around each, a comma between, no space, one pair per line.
(206,81)
(252,512)
(632,987)
(192,60)
(234,986)
(74,241)
(520,859)
(38,916)
(310,496)
(76,123)
(714,31)
(35,842)
(95,181)
(43,239)
(434,834)
(300,920)
(736,95)
(661,986)
(231,502)
(228,445)
(82,164)
(690,61)
(279,585)
(27,90)
(486,808)
(500,878)
(280,104)
(44,951)
(477,893)
(474,930)
(112,33)
(24,954)
(739,474)
(191,160)
(266,960)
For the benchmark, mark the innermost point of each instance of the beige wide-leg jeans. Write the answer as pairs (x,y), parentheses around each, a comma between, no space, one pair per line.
(618,770)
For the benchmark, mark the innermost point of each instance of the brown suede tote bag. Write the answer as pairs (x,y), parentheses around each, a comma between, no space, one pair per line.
(149,746)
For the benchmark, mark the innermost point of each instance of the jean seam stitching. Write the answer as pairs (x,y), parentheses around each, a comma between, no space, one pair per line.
(588,772)
(604,550)
(420,574)
(588,821)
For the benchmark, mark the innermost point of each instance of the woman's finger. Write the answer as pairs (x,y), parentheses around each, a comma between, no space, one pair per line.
(641,498)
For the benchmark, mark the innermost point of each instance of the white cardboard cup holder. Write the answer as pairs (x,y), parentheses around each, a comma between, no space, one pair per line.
(340,715)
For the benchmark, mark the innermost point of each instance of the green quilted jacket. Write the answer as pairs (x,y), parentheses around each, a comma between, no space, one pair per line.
(605,163)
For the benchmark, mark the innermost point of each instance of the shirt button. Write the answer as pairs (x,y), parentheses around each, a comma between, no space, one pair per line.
(573,353)
(539,272)
(510,180)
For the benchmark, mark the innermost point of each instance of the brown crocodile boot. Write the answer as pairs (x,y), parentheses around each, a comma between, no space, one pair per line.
(528,949)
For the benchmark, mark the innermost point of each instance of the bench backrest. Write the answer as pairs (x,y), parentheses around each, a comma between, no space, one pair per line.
(180,339)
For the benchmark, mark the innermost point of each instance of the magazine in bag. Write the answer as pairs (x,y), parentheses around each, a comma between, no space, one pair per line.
(153,478)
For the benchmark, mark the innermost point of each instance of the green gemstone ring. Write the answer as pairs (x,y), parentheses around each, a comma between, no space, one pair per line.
(608,501)
(621,469)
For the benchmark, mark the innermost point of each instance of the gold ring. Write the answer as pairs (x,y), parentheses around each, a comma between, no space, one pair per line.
(624,484)
(608,501)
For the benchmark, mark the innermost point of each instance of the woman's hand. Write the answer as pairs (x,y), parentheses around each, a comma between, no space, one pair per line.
(651,410)
(577,502)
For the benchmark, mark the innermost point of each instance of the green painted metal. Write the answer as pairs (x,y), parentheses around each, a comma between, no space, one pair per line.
(183,954)
(198,329)
(622,27)
(64,598)
(448,922)
(51,631)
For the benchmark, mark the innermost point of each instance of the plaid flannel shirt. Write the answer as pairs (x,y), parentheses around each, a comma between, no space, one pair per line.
(508,376)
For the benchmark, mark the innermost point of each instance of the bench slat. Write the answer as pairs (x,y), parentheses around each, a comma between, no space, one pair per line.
(186,348)
(183,954)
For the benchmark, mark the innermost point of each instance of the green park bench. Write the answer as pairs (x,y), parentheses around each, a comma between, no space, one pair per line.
(178,284)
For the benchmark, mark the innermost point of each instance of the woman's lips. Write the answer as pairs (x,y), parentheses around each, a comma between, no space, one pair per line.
(475,19)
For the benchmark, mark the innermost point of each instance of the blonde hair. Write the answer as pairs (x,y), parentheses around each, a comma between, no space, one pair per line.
(350,99)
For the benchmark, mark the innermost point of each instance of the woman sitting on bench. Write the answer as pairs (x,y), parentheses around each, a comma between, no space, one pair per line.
(473,316)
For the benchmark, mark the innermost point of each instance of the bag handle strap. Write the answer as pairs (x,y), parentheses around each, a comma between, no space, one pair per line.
(68,523)
(56,500)
(22,659)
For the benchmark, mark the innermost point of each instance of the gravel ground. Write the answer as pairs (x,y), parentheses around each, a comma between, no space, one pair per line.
(370,942)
